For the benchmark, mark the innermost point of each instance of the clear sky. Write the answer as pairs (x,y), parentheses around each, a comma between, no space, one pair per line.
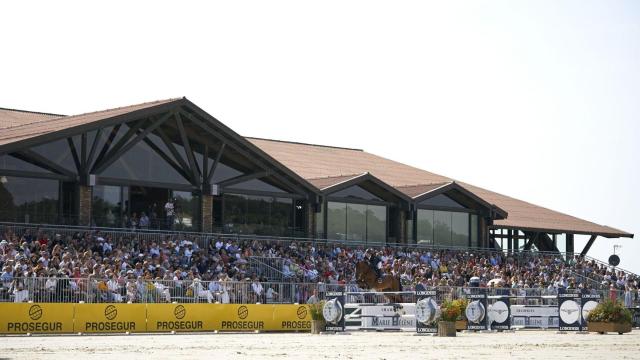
(539,100)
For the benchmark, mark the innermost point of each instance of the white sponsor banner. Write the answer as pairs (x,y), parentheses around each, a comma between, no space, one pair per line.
(523,310)
(390,317)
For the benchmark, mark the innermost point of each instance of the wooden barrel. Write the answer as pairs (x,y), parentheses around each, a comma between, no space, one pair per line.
(446,328)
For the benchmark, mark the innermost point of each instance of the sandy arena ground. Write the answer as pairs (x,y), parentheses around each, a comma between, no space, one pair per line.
(361,345)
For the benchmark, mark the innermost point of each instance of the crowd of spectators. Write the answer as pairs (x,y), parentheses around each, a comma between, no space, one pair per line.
(94,267)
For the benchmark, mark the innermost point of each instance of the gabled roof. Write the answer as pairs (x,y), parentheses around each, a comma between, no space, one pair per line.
(316,161)
(30,130)
(415,191)
(317,167)
(329,181)
(527,216)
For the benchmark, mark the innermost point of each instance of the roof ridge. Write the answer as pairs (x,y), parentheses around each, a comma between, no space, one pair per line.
(31,112)
(126,106)
(301,143)
(336,176)
(425,184)
(71,117)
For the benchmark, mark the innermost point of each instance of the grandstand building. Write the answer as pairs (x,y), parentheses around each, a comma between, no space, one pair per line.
(170,165)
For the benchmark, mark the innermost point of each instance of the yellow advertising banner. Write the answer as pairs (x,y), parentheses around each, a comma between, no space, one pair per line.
(227,317)
(110,318)
(25,318)
(292,317)
(22,318)
(180,317)
(262,317)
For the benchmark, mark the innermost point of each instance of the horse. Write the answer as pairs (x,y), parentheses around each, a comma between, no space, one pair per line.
(366,279)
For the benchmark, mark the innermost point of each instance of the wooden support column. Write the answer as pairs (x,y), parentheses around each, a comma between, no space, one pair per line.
(569,246)
(311,220)
(84,206)
(207,212)
(402,237)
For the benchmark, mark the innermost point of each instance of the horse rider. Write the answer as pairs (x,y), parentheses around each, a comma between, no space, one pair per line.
(375,262)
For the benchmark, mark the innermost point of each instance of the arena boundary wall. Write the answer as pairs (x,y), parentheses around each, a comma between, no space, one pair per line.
(61,318)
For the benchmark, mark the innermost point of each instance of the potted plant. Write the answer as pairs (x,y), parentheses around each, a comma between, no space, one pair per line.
(609,316)
(461,321)
(317,320)
(449,313)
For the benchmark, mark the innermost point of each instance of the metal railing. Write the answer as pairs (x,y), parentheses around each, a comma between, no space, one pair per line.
(269,268)
(124,290)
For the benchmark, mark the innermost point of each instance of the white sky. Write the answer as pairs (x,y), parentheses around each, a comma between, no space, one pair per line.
(538,100)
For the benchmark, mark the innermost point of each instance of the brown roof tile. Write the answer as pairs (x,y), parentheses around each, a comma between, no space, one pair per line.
(314,162)
(414,191)
(45,126)
(10,118)
(329,181)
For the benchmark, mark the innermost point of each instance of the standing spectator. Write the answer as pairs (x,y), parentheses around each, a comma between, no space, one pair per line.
(313,299)
(271,295)
(258,290)
(170,213)
(144,221)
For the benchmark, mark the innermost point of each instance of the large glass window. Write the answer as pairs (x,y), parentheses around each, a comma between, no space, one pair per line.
(474,230)
(442,227)
(186,208)
(376,223)
(260,215)
(425,227)
(320,222)
(58,152)
(356,192)
(29,200)
(336,220)
(459,229)
(446,228)
(107,208)
(141,162)
(442,201)
(9,162)
(356,222)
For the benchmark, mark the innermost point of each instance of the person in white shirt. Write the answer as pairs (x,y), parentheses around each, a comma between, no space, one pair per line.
(271,295)
(162,290)
(257,288)
(199,291)
(169,210)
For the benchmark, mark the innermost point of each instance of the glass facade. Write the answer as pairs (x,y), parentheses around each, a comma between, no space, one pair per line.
(260,215)
(356,222)
(424,222)
(29,200)
(441,201)
(186,206)
(141,162)
(445,228)
(108,209)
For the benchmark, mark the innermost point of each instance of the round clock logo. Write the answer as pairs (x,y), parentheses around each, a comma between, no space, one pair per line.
(587,307)
(570,312)
(475,312)
(499,312)
(427,310)
(332,311)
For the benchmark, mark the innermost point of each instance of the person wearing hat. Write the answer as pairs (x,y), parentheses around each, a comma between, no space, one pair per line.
(375,263)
